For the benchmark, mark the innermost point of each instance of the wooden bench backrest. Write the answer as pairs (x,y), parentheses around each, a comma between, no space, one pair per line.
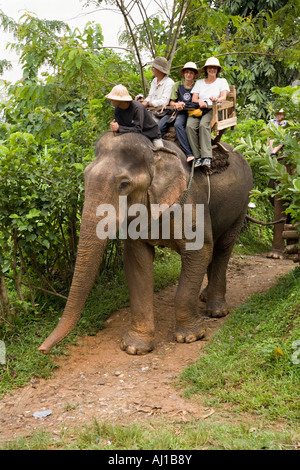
(224,114)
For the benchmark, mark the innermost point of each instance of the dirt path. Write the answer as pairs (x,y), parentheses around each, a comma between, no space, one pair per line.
(98,380)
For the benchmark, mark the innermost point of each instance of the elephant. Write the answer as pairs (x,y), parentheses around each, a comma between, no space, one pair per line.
(129,168)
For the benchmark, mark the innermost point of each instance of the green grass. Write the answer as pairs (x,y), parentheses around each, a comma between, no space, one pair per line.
(194,435)
(256,238)
(250,243)
(248,364)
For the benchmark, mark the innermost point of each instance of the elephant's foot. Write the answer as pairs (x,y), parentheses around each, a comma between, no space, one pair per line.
(217,309)
(137,344)
(275,254)
(189,333)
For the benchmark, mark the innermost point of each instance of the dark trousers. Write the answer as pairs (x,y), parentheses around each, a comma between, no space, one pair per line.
(179,125)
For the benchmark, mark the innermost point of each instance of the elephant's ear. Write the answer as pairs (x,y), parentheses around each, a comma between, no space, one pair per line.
(168,178)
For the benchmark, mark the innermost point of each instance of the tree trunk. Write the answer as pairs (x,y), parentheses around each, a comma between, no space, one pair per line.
(4,299)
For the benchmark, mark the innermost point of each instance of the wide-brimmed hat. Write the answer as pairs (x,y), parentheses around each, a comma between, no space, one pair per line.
(119,93)
(161,63)
(190,66)
(281,111)
(212,62)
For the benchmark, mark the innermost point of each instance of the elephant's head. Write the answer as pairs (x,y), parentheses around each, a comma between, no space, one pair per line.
(126,165)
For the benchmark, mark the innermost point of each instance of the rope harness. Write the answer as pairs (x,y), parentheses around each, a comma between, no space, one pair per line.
(189,187)
(190,184)
(186,193)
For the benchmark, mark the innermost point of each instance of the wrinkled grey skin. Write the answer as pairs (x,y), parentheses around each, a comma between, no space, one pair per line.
(128,165)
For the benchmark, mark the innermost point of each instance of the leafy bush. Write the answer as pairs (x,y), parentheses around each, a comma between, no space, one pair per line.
(286,171)
(48,135)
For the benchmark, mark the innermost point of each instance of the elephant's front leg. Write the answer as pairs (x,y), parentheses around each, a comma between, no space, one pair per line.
(189,325)
(138,264)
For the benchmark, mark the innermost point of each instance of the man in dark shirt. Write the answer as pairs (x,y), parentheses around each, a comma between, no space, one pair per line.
(132,116)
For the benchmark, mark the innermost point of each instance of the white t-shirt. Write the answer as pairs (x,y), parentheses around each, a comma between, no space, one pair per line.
(160,93)
(206,90)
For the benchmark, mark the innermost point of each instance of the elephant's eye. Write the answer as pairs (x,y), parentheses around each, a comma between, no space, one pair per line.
(124,185)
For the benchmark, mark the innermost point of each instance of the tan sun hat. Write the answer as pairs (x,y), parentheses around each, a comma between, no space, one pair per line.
(119,93)
(212,62)
(190,66)
(161,64)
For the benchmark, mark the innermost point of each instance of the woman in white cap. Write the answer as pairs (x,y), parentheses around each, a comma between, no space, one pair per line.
(181,95)
(205,92)
(131,116)
(161,85)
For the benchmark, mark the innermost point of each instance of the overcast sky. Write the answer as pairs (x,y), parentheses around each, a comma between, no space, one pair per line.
(69,11)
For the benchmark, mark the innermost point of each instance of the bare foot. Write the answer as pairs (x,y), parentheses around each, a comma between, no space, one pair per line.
(190,159)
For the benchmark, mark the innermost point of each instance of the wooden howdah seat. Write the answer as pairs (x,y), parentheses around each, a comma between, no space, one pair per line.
(224,117)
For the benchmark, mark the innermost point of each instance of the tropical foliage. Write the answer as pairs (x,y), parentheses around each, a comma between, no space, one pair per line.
(49,128)
(52,117)
(285,171)
(250,38)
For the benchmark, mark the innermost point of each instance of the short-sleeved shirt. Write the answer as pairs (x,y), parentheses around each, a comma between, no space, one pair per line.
(137,119)
(206,90)
(160,93)
(181,93)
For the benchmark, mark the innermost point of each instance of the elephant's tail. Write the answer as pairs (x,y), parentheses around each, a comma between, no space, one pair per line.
(251,219)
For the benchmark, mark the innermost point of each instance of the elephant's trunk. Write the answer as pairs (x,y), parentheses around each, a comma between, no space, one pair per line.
(90,253)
